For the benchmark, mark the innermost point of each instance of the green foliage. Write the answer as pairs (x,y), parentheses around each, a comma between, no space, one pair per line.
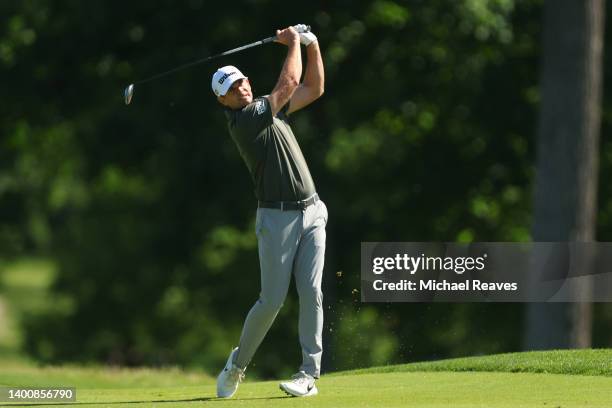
(363,339)
(425,132)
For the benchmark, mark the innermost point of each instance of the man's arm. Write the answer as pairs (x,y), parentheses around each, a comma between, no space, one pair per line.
(289,78)
(314,80)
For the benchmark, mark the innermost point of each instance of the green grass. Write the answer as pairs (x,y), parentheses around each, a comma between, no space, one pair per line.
(382,390)
(21,372)
(28,274)
(425,385)
(569,362)
(24,286)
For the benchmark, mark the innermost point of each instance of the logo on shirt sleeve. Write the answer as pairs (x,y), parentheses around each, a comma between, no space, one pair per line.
(260,107)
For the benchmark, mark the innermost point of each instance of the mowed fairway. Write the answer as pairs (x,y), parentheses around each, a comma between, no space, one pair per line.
(175,388)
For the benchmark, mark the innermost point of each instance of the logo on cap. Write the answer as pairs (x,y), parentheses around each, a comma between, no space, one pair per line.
(222,79)
(225,76)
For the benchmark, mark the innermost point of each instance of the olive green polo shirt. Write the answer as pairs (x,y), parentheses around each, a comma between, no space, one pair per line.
(271,152)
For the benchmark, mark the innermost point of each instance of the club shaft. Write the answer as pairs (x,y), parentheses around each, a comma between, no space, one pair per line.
(202,60)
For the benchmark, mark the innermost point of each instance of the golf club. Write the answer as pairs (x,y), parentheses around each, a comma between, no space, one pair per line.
(128,93)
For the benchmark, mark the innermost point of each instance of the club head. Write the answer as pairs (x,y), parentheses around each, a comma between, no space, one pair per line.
(127,94)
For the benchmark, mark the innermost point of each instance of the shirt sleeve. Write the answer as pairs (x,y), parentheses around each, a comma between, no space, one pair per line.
(254,117)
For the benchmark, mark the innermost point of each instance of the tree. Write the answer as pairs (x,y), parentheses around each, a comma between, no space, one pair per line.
(567,164)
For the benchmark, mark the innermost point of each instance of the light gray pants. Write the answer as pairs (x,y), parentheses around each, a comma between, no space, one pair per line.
(290,243)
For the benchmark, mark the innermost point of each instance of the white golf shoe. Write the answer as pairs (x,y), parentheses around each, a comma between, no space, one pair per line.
(300,385)
(229,378)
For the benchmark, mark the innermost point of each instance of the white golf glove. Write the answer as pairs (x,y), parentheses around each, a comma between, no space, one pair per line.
(306,37)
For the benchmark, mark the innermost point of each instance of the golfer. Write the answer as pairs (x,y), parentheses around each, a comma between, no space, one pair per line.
(291,218)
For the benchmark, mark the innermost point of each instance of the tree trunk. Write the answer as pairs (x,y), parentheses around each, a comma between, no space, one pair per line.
(567,164)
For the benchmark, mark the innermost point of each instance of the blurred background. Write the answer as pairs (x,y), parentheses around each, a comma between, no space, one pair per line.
(127,232)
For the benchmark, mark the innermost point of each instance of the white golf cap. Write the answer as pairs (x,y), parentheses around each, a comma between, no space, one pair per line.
(223,79)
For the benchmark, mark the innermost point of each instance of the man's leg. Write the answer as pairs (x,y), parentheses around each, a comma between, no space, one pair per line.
(277,235)
(308,271)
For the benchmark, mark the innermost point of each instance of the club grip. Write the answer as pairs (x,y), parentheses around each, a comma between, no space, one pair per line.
(300,30)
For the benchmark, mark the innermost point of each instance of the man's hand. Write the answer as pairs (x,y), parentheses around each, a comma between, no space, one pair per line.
(287,36)
(306,37)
